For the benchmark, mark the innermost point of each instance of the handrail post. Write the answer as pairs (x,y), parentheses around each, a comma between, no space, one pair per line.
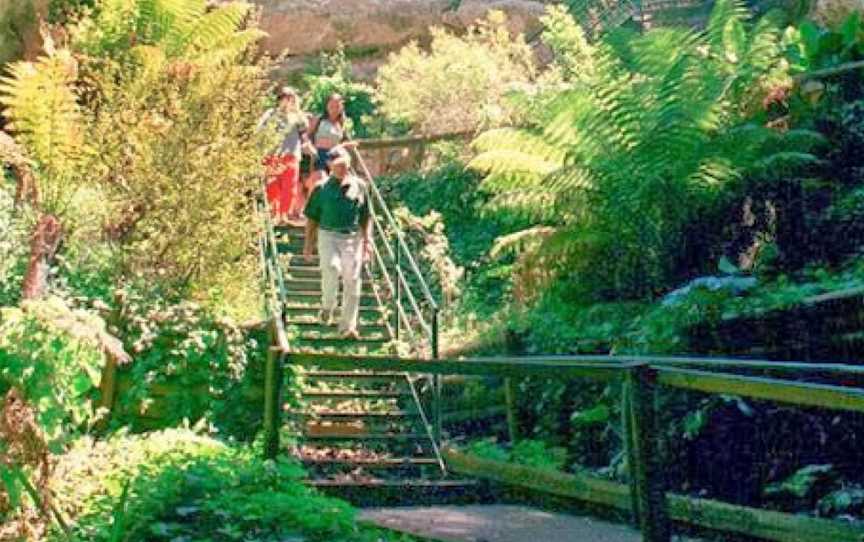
(272,380)
(647,480)
(437,378)
(397,295)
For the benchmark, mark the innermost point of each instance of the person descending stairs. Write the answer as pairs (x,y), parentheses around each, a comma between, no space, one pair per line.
(360,427)
(357,428)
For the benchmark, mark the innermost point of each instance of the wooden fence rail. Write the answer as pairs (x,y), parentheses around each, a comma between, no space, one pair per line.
(646,498)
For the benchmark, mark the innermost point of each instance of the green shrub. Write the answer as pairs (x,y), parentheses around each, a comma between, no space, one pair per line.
(150,111)
(629,178)
(187,363)
(175,484)
(460,83)
(53,356)
(14,228)
(531,453)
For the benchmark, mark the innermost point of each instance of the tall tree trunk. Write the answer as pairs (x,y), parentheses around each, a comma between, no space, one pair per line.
(43,247)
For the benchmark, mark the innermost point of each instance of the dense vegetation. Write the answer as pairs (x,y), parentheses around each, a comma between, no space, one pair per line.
(669,192)
(127,237)
(648,193)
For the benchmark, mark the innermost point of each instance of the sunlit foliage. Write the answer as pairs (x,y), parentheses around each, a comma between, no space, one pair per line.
(151,110)
(616,171)
(460,83)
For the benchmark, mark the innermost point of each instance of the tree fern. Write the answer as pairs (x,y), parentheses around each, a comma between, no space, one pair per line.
(181,28)
(46,120)
(657,138)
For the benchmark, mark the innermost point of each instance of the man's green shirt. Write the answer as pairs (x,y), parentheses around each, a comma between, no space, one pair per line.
(333,210)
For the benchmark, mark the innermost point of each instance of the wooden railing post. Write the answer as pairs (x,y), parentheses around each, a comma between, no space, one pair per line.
(272,381)
(510,401)
(647,479)
(436,379)
(397,295)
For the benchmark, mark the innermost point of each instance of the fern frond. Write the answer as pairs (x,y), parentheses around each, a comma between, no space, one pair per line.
(232,48)
(46,119)
(160,20)
(521,241)
(510,161)
(725,15)
(210,32)
(785,162)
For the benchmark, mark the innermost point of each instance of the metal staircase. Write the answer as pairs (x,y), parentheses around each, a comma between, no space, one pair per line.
(357,428)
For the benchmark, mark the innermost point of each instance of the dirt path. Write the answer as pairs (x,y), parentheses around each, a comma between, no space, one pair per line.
(498,523)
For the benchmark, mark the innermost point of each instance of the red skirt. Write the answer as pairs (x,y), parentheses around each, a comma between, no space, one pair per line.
(283,183)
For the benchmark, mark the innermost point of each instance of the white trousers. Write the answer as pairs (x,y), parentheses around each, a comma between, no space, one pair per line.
(341,254)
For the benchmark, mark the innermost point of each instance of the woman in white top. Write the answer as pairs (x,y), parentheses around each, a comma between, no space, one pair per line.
(328,132)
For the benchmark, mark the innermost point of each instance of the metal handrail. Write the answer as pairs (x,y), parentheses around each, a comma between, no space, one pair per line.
(398,281)
(400,236)
(275,281)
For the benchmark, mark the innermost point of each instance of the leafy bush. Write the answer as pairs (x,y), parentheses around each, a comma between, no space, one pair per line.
(573,55)
(50,362)
(618,173)
(531,453)
(187,364)
(152,109)
(461,83)
(173,484)
(52,355)
(812,47)
(451,194)
(14,226)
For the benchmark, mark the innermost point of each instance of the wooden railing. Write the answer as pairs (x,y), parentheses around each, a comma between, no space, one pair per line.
(646,496)
(387,156)
(278,346)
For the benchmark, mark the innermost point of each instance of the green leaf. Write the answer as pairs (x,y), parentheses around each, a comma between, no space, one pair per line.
(802,482)
(810,34)
(593,416)
(81,384)
(9,476)
(734,40)
(849,30)
(694,422)
(725,266)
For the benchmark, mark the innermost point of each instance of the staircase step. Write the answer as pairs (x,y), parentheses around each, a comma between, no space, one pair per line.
(340,375)
(314,285)
(334,339)
(365,437)
(391,462)
(354,415)
(314,309)
(310,270)
(300,297)
(314,325)
(295,249)
(296,259)
(354,394)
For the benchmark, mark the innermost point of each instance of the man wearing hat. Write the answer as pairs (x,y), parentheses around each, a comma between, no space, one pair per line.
(338,218)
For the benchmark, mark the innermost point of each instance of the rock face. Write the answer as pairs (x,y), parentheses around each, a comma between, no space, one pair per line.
(19,28)
(304,27)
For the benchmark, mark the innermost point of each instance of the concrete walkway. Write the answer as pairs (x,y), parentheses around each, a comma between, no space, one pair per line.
(498,523)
